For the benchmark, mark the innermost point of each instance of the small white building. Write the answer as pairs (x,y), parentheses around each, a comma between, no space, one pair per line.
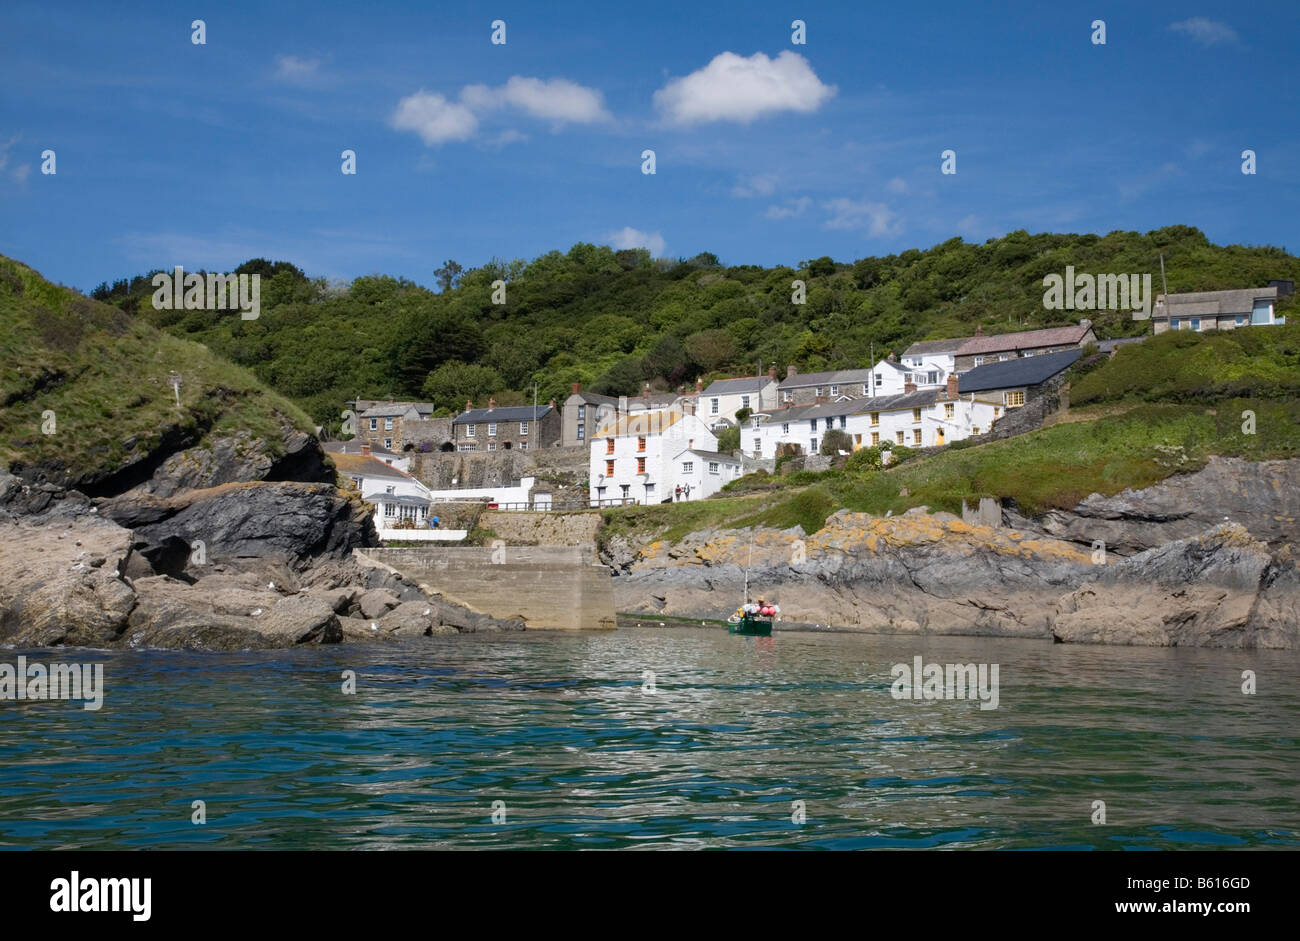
(724,397)
(396,495)
(701,473)
(926,365)
(516,495)
(358,447)
(633,459)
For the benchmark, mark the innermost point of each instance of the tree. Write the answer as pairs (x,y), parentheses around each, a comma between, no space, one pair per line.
(623,378)
(666,359)
(711,349)
(729,439)
(452,383)
(835,441)
(448,275)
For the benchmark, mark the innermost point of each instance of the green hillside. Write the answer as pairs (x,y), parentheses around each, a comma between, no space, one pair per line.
(614,320)
(102,376)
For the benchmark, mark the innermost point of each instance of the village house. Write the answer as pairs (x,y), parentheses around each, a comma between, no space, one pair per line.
(397,496)
(723,398)
(383,425)
(916,418)
(362,448)
(704,472)
(982,350)
(927,365)
(1216,310)
(1022,391)
(584,411)
(806,388)
(637,458)
(500,429)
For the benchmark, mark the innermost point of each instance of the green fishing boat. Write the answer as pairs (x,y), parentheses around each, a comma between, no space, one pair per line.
(751,625)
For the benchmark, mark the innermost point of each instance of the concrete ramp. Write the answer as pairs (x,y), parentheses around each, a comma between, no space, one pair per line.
(550,587)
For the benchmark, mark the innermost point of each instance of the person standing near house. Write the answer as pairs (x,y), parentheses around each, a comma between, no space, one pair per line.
(434,522)
(686,492)
(677,493)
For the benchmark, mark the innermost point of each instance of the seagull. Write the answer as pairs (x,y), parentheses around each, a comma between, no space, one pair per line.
(271,586)
(374,626)
(257,612)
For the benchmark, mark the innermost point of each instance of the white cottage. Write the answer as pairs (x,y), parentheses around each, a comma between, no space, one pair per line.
(634,459)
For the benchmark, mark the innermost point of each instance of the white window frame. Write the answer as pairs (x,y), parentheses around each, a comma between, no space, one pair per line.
(374,424)
(470,430)
(492,429)
(713,467)
(688,467)
(714,408)
(388,424)
(523,428)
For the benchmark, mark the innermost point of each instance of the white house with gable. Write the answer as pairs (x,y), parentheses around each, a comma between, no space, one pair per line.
(635,457)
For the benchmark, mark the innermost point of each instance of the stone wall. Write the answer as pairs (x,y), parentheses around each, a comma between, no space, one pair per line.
(548,587)
(562,472)
(522,528)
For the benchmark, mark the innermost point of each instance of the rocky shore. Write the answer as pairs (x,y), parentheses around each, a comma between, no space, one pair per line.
(1172,575)
(213,549)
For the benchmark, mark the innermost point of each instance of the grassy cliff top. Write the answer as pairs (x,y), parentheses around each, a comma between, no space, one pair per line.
(86,386)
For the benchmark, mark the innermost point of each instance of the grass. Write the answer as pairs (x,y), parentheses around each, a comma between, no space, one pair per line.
(102,377)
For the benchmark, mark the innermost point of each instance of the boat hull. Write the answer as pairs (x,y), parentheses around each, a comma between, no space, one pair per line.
(751,626)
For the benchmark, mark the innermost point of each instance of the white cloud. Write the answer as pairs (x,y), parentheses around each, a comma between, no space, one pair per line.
(21,172)
(628,237)
(762,184)
(794,207)
(734,88)
(876,218)
(558,99)
(897,185)
(295,70)
(1205,31)
(434,118)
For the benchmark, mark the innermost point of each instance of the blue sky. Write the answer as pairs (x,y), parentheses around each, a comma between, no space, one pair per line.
(767,152)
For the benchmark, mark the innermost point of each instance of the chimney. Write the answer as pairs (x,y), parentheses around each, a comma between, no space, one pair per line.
(551,403)
(699,384)
(891,358)
(979,331)
(952,385)
(365,449)
(771,371)
(577,387)
(492,403)
(791,370)
(909,386)
(469,404)
(690,443)
(1085,322)
(646,390)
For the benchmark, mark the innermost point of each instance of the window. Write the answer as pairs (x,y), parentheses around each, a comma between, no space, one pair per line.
(713,467)
(1261,313)
(979,360)
(609,468)
(390,509)
(754,424)
(997,411)
(880,380)
(609,445)
(1015,397)
(523,427)
(492,429)
(1003,357)
(875,437)
(465,447)
(835,390)
(688,467)
(934,377)
(875,419)
(492,445)
(916,436)
(581,431)
(975,430)
(898,436)
(1173,323)
(812,424)
(523,445)
(388,444)
(1196,323)
(640,465)
(948,409)
(744,401)
(812,448)
(787,397)
(390,490)
(758,445)
(388,424)
(582,412)
(713,406)
(866,389)
(785,428)
(916,414)
(1239,320)
(649,491)
(640,443)
(844,421)
(470,430)
(374,424)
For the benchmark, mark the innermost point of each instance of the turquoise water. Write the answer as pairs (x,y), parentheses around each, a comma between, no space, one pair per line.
(560,729)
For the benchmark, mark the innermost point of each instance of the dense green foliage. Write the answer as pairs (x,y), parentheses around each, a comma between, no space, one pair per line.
(614,320)
(85,385)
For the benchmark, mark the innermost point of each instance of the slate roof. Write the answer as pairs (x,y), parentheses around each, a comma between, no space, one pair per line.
(642,423)
(1016,373)
(843,377)
(930,347)
(409,499)
(503,413)
(709,455)
(1023,340)
(1213,303)
(738,386)
(354,465)
(397,409)
(880,403)
(354,447)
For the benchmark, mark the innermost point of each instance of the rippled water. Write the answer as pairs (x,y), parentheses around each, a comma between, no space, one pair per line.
(560,728)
